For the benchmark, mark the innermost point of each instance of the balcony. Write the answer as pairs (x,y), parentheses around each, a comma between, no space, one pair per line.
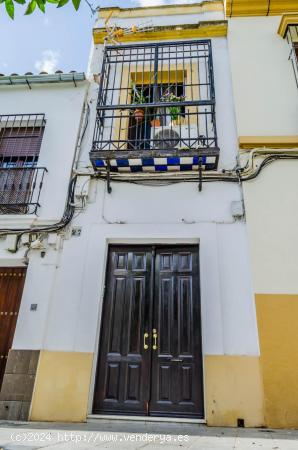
(20,189)
(21,179)
(156,109)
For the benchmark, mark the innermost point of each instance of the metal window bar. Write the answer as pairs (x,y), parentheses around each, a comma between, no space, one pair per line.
(21,179)
(171,83)
(292,38)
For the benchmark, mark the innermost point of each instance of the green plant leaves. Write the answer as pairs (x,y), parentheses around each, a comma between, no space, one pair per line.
(62,3)
(76,4)
(41,5)
(31,7)
(9,6)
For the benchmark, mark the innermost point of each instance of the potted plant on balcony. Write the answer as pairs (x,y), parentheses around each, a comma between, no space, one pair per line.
(155,122)
(139,98)
(175,110)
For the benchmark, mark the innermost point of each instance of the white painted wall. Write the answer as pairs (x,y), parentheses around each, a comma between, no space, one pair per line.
(265,90)
(72,316)
(266,104)
(70,299)
(272,219)
(62,105)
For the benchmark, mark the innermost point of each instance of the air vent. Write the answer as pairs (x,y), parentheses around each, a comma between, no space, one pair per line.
(166,138)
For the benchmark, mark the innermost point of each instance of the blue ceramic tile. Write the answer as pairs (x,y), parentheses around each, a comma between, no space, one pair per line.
(99,163)
(122,162)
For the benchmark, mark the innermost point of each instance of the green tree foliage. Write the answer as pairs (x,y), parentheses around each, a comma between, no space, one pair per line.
(32,4)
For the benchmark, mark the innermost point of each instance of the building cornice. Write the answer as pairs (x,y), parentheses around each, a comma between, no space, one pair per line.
(16,80)
(206,29)
(162,10)
(280,142)
(286,20)
(244,8)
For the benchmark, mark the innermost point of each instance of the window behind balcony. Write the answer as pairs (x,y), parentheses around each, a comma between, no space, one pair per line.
(292,38)
(141,133)
(20,142)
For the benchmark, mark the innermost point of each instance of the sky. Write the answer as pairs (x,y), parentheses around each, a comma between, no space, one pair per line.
(59,39)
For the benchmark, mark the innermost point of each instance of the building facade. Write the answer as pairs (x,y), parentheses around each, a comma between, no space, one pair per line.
(39,128)
(159,261)
(266,106)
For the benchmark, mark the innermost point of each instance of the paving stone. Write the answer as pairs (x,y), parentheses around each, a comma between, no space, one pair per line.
(91,436)
(17,447)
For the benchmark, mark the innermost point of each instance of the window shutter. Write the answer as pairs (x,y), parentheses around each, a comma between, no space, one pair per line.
(20,142)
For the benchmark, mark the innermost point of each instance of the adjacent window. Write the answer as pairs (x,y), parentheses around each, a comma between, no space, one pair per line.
(20,177)
(292,38)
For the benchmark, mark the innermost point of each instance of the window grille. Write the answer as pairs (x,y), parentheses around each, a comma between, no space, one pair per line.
(20,178)
(156,105)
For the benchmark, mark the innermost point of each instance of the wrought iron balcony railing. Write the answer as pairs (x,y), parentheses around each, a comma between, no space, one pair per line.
(20,189)
(20,177)
(156,108)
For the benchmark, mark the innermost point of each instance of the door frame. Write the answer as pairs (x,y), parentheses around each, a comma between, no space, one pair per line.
(139,242)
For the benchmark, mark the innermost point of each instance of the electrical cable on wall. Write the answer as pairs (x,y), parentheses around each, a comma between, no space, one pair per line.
(65,219)
(234,176)
(243,174)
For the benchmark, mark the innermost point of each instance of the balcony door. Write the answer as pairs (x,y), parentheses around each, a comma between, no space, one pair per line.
(150,355)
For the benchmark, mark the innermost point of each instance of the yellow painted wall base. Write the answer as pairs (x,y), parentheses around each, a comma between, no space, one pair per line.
(233,390)
(278,331)
(62,387)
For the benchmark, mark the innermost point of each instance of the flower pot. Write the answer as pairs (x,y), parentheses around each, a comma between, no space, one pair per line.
(176,122)
(155,123)
(139,114)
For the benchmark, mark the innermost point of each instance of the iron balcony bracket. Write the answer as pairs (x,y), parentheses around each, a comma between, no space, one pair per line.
(109,188)
(200,175)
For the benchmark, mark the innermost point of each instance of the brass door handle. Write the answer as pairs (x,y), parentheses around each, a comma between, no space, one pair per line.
(146,346)
(154,334)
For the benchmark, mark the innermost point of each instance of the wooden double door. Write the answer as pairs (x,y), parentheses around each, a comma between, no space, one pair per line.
(150,352)
(11,289)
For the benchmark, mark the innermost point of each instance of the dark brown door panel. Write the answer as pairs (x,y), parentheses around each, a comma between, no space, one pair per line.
(11,289)
(177,362)
(153,290)
(122,376)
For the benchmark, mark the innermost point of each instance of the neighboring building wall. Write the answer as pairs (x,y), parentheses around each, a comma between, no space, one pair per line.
(266,105)
(265,90)
(142,214)
(62,105)
(272,220)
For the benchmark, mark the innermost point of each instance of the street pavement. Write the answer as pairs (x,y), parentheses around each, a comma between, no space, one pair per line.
(131,435)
